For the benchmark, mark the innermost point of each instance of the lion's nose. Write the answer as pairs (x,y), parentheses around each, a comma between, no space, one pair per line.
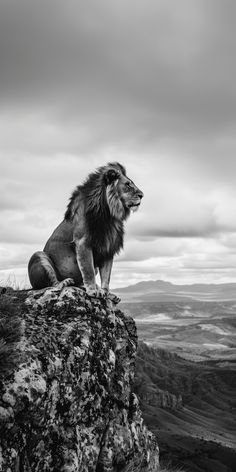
(140,194)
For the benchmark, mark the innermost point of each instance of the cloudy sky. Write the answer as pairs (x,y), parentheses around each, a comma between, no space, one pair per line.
(148,83)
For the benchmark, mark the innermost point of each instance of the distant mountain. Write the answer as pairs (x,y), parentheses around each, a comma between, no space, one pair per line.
(160,290)
(147,285)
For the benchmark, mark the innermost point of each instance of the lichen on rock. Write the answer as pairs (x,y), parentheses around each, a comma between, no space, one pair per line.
(69,405)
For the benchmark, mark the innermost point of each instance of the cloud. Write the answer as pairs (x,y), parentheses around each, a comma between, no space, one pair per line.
(169,72)
(142,250)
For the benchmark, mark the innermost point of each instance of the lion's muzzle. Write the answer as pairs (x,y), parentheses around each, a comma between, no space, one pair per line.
(134,204)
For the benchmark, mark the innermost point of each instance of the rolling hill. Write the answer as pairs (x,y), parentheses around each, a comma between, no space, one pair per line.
(159,290)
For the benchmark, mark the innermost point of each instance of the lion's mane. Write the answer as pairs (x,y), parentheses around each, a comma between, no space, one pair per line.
(104,211)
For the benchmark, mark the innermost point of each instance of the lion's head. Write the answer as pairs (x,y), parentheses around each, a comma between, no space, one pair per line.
(122,194)
(107,192)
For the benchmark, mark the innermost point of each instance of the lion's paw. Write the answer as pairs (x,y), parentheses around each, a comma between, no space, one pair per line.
(94,292)
(113,297)
(97,293)
(103,294)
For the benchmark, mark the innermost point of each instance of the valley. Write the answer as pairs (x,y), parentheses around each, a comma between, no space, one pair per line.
(196,423)
(186,370)
(195,330)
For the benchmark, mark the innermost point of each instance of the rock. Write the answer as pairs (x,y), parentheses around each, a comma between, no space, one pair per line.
(68,405)
(161,398)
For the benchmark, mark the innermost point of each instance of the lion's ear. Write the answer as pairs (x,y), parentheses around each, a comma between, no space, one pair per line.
(111,175)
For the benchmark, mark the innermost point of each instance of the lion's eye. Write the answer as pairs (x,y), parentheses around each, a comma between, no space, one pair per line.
(128,185)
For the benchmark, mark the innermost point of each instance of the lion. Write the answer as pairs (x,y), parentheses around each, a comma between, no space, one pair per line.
(91,233)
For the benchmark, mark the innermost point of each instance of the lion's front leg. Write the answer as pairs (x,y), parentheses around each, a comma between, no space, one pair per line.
(105,274)
(84,257)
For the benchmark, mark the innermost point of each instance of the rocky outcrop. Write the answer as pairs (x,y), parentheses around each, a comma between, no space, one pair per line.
(161,398)
(68,403)
(154,376)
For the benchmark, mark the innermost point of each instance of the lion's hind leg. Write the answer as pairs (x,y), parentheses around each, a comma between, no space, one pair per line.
(41,271)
